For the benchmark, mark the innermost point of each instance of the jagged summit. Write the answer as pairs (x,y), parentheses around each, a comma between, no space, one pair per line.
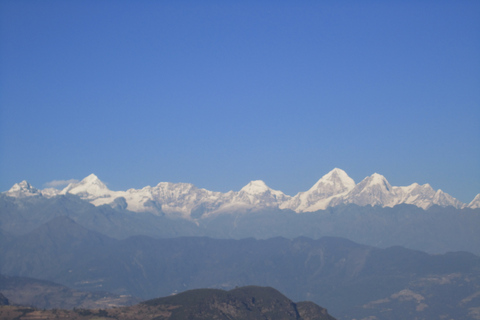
(22,186)
(185,200)
(23,189)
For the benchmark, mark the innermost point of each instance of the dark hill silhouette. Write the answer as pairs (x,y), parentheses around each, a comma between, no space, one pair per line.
(252,303)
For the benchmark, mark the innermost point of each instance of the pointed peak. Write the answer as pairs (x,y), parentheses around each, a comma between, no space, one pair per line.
(90,184)
(377,178)
(336,176)
(338,171)
(255,187)
(90,178)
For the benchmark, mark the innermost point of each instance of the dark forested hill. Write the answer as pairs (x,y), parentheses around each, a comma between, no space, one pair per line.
(250,303)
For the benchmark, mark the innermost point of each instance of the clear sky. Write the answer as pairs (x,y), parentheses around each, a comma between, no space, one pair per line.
(218,93)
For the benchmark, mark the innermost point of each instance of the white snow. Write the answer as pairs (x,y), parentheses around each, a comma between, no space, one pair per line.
(255,187)
(22,189)
(475,203)
(183,199)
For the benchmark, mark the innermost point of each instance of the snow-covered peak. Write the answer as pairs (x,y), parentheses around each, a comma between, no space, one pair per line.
(475,203)
(337,181)
(255,187)
(23,189)
(22,186)
(375,181)
(373,190)
(91,188)
(187,201)
(337,173)
(258,189)
(91,179)
(328,189)
(255,195)
(444,200)
(378,179)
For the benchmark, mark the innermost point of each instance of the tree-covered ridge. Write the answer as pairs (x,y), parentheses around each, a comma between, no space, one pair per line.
(246,303)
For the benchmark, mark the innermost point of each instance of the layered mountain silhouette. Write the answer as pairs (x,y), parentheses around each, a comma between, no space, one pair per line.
(350,279)
(174,237)
(435,230)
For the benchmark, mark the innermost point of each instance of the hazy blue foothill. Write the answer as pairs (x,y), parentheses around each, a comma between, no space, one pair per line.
(350,279)
(435,230)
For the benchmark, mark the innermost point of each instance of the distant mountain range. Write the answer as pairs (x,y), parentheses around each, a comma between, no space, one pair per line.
(173,237)
(184,200)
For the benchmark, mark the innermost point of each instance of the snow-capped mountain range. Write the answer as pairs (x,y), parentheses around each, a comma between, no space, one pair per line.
(187,201)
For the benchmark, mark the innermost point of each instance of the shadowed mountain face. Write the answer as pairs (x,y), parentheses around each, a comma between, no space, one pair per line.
(252,303)
(351,280)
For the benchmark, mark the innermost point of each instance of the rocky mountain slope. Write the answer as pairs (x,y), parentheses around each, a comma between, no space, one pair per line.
(189,202)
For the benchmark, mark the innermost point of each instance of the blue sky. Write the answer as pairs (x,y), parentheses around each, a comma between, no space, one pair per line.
(218,93)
